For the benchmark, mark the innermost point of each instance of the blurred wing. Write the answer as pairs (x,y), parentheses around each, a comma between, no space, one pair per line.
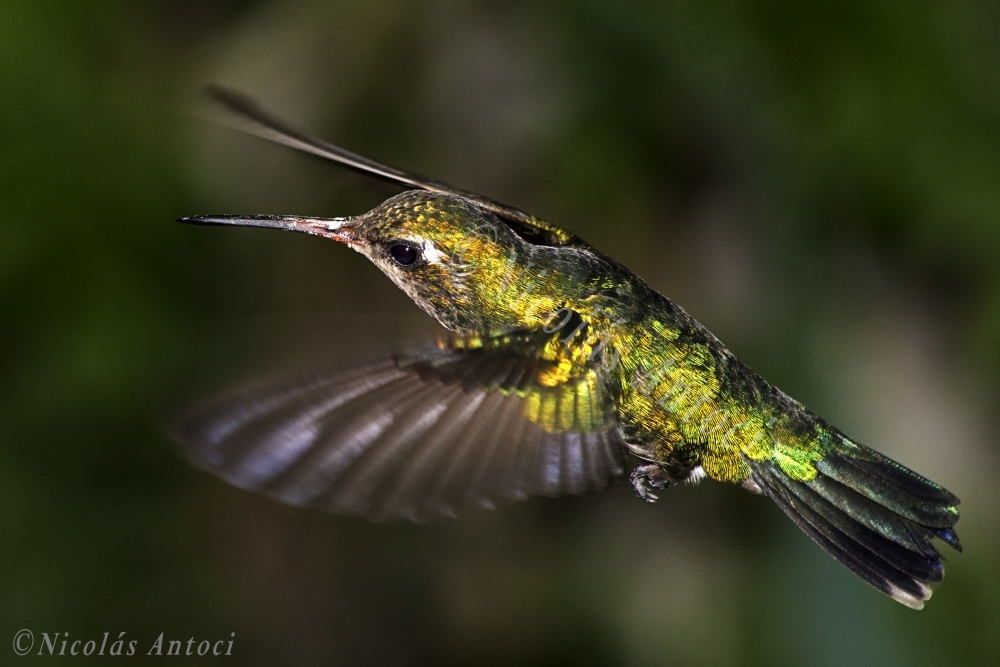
(434,432)
(259,123)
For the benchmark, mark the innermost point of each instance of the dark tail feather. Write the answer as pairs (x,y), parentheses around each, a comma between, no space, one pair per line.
(871,514)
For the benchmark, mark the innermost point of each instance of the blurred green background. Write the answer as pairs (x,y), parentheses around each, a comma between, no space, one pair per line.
(818,183)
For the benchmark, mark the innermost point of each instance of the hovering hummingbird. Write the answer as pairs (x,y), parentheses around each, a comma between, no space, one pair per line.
(561,363)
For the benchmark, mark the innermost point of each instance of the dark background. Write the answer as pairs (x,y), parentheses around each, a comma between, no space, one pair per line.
(818,183)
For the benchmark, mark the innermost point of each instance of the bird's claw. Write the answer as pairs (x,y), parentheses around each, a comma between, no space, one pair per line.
(645,478)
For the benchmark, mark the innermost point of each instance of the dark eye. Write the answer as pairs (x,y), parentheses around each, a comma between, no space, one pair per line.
(403,254)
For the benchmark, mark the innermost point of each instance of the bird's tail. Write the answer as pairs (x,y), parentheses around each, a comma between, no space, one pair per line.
(872,514)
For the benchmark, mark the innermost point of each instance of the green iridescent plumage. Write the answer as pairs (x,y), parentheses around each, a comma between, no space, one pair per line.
(561,361)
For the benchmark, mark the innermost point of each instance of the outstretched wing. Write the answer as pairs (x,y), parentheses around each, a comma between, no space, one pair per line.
(258,122)
(431,432)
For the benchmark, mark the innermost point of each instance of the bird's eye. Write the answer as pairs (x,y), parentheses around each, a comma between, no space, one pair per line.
(403,254)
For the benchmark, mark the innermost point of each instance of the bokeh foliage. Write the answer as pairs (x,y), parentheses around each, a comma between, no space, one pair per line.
(816,182)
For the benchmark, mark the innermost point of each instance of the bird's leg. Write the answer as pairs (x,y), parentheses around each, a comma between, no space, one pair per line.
(647,477)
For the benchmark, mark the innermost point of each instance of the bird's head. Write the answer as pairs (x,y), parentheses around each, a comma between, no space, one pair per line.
(454,258)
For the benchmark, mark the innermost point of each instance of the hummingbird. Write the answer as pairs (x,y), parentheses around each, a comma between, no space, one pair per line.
(560,366)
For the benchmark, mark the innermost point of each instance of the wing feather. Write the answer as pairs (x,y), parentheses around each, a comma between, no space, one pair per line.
(257,122)
(433,432)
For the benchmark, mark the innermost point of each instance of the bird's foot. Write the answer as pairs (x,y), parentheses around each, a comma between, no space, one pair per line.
(647,477)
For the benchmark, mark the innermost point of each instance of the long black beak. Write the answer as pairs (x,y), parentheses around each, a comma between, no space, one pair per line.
(338,229)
